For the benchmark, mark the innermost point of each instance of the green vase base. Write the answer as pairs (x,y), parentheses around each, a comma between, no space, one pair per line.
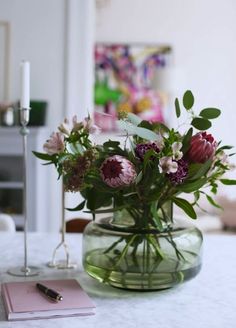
(167,277)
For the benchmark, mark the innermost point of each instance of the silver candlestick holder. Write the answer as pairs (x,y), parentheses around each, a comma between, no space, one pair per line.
(64,263)
(26,270)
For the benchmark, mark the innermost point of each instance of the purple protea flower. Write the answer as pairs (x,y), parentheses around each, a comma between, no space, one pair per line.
(117,171)
(180,175)
(142,148)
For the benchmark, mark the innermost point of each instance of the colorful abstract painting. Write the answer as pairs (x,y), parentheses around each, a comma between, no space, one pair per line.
(124,77)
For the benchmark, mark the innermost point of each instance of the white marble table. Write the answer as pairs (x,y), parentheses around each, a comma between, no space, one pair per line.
(208,301)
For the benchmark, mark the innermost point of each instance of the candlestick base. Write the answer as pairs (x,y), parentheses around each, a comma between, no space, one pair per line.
(62,264)
(24,271)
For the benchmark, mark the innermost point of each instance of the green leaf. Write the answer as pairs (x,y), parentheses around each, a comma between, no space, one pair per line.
(212,202)
(186,140)
(197,171)
(78,207)
(96,199)
(185,206)
(192,186)
(188,100)
(111,144)
(156,218)
(177,107)
(109,210)
(201,123)
(210,113)
(44,156)
(228,182)
(160,127)
(196,196)
(226,147)
(146,124)
(139,177)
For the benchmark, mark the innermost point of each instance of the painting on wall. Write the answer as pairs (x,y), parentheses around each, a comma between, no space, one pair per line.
(125,81)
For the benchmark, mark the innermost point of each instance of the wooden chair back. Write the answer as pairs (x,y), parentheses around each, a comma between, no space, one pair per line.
(76,225)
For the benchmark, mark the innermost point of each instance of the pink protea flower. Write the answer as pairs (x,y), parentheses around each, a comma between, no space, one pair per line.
(117,171)
(55,144)
(202,148)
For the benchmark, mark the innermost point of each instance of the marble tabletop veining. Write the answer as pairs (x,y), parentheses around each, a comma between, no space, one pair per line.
(207,301)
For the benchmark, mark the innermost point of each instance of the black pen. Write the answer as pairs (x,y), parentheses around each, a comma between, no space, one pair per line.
(50,293)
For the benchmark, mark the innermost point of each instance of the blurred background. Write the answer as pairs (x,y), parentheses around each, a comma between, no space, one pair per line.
(98,57)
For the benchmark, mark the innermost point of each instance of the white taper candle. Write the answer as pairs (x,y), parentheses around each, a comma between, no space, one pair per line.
(25,85)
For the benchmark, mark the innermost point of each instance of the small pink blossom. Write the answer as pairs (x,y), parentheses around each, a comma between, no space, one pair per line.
(167,165)
(177,154)
(92,128)
(76,125)
(55,144)
(117,171)
(65,127)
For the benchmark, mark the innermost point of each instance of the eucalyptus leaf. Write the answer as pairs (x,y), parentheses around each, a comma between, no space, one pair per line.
(201,123)
(188,99)
(177,108)
(134,130)
(185,206)
(62,158)
(210,113)
(134,119)
(75,148)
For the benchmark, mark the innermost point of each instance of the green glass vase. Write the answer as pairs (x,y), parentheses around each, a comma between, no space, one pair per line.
(119,254)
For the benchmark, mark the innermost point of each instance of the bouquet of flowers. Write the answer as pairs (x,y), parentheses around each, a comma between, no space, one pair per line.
(135,181)
(155,165)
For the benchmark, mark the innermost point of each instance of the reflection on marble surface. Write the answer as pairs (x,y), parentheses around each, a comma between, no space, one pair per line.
(207,301)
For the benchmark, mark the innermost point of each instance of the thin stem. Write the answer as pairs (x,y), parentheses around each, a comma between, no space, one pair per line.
(178,253)
(113,245)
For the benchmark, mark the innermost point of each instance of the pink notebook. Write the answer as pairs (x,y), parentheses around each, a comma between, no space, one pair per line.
(23,300)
